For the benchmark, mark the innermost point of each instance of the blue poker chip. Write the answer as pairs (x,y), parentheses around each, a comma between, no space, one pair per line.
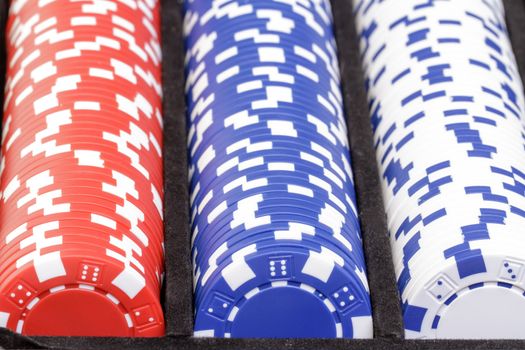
(254,75)
(287,54)
(253,182)
(283,125)
(268,210)
(285,171)
(270,17)
(288,227)
(286,57)
(259,160)
(268,157)
(271,95)
(313,283)
(263,49)
(279,124)
(304,162)
(267,98)
(221,189)
(213,44)
(217,154)
(272,204)
(325,126)
(320,10)
(214,261)
(265,138)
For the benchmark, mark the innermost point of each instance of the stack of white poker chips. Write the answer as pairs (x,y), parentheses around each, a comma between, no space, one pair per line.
(447,112)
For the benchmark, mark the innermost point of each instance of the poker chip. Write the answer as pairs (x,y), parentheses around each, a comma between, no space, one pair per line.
(81,170)
(447,112)
(276,242)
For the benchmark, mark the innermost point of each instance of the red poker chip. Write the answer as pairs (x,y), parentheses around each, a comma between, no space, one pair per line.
(117,41)
(15,201)
(102,58)
(88,173)
(65,175)
(92,69)
(123,106)
(110,136)
(26,97)
(128,310)
(74,233)
(117,77)
(108,173)
(117,250)
(64,16)
(97,218)
(86,154)
(71,117)
(69,199)
(88,43)
(108,142)
(64,163)
(76,9)
(46,68)
(26,132)
(100,217)
(63,12)
(66,233)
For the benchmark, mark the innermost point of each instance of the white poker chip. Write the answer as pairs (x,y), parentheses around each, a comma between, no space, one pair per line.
(447,111)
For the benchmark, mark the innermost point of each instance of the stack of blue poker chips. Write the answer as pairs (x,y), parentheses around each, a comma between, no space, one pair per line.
(447,110)
(276,244)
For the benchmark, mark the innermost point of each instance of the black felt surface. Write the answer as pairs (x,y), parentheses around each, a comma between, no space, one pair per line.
(177,294)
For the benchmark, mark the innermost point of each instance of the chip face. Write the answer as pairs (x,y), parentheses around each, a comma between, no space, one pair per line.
(447,110)
(81,170)
(276,242)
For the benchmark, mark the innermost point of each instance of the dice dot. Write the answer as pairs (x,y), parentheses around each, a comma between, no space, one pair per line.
(506,264)
(439,296)
(28,293)
(272,263)
(509,270)
(283,273)
(345,289)
(13,295)
(272,274)
(137,313)
(210,310)
(351,297)
(151,319)
(342,303)
(439,283)
(225,305)
(272,268)
(20,287)
(513,276)
(283,262)
(336,295)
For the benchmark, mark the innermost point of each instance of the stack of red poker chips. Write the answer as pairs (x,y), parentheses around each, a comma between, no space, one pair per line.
(81,171)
